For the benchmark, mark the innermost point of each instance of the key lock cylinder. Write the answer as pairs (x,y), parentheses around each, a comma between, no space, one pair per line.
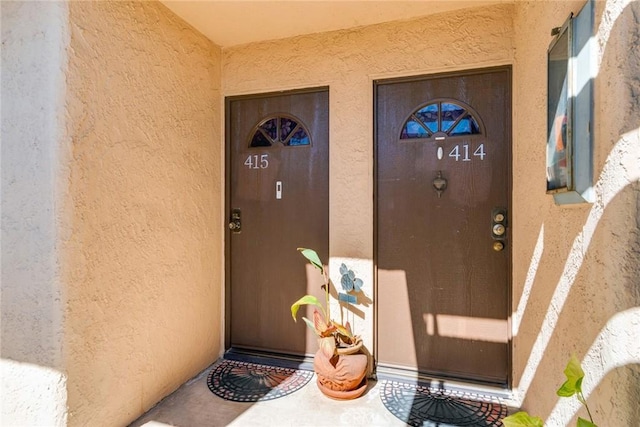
(499,228)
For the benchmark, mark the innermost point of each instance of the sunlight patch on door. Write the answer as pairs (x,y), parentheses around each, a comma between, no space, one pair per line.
(468,328)
(399,340)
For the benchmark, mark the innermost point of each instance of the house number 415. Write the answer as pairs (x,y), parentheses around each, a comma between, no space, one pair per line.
(255,161)
(461,152)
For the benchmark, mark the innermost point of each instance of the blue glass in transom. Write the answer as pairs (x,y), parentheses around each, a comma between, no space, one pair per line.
(413,129)
(429,116)
(450,113)
(300,137)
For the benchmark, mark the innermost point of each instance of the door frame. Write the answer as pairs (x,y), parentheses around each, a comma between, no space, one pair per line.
(227,192)
(509,132)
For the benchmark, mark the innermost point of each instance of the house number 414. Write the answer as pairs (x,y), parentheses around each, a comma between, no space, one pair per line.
(461,152)
(255,161)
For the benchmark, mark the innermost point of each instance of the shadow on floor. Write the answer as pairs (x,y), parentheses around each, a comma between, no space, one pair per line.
(194,405)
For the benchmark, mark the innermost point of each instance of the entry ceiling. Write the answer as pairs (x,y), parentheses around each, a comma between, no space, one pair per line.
(228,23)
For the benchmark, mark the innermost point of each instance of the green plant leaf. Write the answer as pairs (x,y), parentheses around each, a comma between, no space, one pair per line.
(584,423)
(311,326)
(305,300)
(522,419)
(574,374)
(313,258)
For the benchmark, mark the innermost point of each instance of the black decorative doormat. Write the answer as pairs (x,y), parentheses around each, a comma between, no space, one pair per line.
(419,405)
(251,382)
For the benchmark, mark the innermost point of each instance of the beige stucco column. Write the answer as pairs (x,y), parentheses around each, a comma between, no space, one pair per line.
(33,385)
(111,209)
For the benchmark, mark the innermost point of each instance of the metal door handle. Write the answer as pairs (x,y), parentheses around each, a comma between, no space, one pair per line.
(439,183)
(236,221)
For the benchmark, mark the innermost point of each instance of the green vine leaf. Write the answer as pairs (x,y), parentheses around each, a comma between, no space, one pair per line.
(522,419)
(313,258)
(311,325)
(574,374)
(305,300)
(584,423)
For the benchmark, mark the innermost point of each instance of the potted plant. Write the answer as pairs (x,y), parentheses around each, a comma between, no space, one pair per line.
(340,363)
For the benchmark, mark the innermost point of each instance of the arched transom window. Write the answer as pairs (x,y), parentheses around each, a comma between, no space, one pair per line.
(284,129)
(441,119)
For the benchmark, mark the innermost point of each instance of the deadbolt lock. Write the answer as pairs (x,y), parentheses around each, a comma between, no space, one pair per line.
(499,228)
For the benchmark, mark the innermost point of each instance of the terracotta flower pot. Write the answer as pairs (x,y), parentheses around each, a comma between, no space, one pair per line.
(347,379)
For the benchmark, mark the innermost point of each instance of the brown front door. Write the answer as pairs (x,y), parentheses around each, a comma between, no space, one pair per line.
(277,199)
(443,159)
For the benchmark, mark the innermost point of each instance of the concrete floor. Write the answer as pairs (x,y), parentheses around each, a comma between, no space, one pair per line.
(194,405)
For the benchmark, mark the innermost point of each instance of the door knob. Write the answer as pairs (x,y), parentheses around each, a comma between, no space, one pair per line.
(236,221)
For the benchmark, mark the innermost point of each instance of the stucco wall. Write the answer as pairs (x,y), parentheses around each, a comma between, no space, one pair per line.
(348,62)
(33,389)
(111,197)
(575,268)
(142,244)
(576,271)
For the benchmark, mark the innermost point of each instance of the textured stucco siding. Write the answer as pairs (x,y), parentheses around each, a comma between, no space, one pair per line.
(348,62)
(112,204)
(576,269)
(32,380)
(142,245)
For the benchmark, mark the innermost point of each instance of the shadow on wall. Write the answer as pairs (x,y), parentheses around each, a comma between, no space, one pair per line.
(595,298)
(600,278)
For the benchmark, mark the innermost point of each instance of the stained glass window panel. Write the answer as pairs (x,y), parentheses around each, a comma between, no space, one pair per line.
(259,140)
(286,130)
(444,118)
(413,129)
(429,116)
(450,113)
(300,137)
(270,127)
(466,126)
(286,127)
(475,128)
